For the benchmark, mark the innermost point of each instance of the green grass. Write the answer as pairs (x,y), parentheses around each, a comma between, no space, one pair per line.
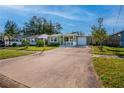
(108,50)
(31,48)
(4,53)
(9,52)
(110,71)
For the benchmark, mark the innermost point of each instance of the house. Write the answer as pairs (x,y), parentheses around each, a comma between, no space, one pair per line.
(61,39)
(68,39)
(116,39)
(121,38)
(1,41)
(16,40)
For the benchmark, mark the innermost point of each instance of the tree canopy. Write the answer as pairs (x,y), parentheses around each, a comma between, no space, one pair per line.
(99,32)
(38,25)
(11,29)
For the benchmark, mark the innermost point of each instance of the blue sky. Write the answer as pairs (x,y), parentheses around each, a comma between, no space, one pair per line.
(72,18)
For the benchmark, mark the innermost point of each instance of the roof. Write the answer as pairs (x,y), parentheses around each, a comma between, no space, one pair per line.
(56,35)
(72,35)
(119,32)
(65,35)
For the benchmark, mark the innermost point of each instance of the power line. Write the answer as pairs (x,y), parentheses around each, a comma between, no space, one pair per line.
(118,16)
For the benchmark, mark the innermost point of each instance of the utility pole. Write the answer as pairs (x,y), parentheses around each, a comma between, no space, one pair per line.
(118,16)
(116,22)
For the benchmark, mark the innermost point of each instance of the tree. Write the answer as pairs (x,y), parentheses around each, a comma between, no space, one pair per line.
(31,27)
(58,27)
(11,30)
(99,33)
(38,25)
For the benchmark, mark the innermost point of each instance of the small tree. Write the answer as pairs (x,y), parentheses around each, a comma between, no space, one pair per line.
(25,43)
(99,33)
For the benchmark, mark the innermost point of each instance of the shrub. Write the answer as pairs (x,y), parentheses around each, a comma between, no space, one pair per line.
(39,43)
(46,42)
(54,44)
(25,42)
(14,45)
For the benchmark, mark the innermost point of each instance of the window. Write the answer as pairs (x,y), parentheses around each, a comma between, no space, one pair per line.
(66,39)
(32,40)
(17,40)
(54,39)
(13,40)
(71,38)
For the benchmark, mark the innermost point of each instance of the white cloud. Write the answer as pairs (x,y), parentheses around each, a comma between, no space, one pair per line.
(15,7)
(61,14)
(67,12)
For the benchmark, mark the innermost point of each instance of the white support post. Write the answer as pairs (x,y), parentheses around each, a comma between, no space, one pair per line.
(72,39)
(44,43)
(59,40)
(69,41)
(63,40)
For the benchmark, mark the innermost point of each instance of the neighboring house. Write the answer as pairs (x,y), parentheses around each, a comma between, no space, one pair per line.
(1,41)
(16,40)
(116,39)
(120,35)
(61,39)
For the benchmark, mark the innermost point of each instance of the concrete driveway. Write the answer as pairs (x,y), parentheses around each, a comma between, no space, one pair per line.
(62,67)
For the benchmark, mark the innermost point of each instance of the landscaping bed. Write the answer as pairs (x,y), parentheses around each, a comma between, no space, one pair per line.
(110,71)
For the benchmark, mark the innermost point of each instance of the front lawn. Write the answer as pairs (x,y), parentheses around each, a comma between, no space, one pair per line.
(108,50)
(31,48)
(34,48)
(9,52)
(110,71)
(4,53)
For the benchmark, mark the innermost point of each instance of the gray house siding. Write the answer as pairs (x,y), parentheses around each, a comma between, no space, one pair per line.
(122,39)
